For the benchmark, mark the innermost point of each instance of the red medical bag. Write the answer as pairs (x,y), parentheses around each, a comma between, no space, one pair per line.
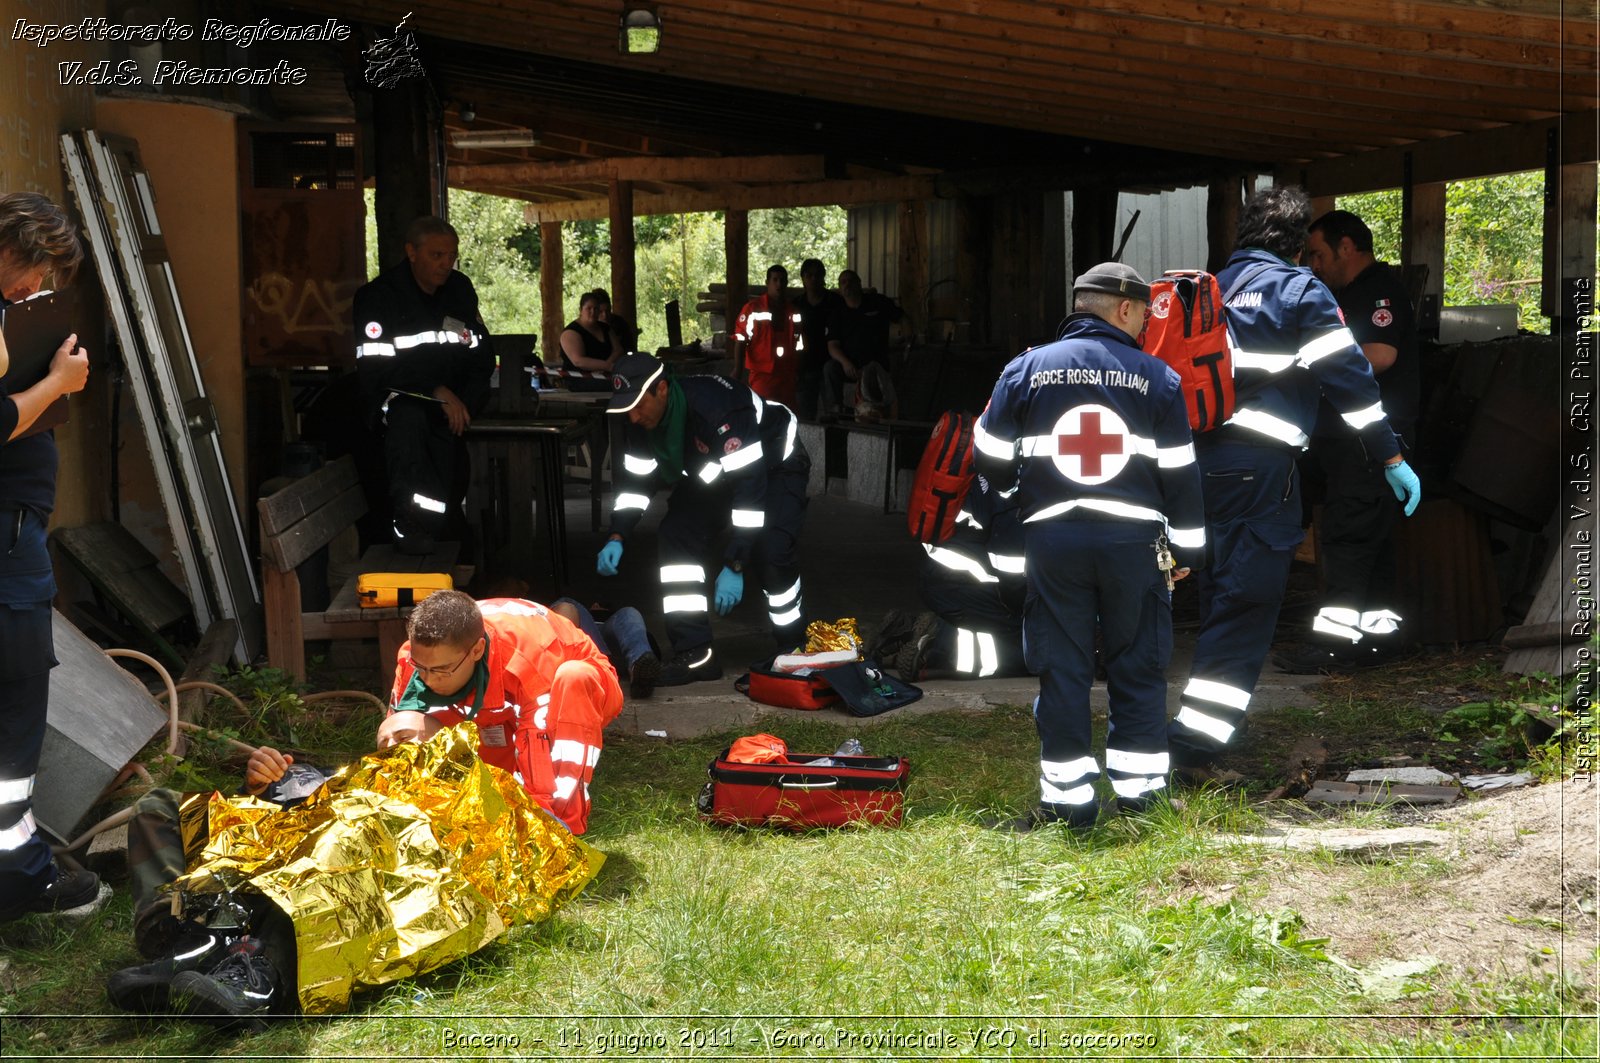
(801,795)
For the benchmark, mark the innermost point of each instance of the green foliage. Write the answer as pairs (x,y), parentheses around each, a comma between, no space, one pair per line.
(1494,234)
(1525,730)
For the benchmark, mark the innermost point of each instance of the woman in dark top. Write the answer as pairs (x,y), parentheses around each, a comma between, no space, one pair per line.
(587,343)
(37,241)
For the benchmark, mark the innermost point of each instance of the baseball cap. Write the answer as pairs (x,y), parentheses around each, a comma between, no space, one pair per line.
(630,378)
(1114,278)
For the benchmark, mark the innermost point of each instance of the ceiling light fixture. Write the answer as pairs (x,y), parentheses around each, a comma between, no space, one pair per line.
(495,138)
(640,32)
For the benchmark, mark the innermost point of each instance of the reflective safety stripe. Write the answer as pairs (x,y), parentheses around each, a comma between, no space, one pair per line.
(432,505)
(992,445)
(1221,693)
(418,339)
(784,619)
(1068,771)
(639,466)
(683,574)
(784,597)
(564,787)
(1137,763)
(1014,564)
(1270,363)
(960,563)
(1329,343)
(628,500)
(710,471)
(742,457)
(788,439)
(1100,505)
(748,518)
(1209,726)
(14,790)
(760,315)
(1339,623)
(1188,538)
(374,350)
(1138,786)
(1175,457)
(1380,622)
(985,662)
(759,403)
(1361,418)
(1268,425)
(967,518)
(567,750)
(705,658)
(1055,795)
(683,603)
(18,834)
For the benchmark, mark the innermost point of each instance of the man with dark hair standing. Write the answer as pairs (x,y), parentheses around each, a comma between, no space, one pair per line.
(729,457)
(37,242)
(768,342)
(858,336)
(817,305)
(1357,624)
(1093,435)
(425,361)
(1290,349)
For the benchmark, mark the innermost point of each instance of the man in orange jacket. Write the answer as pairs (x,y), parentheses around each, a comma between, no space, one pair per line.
(768,340)
(537,687)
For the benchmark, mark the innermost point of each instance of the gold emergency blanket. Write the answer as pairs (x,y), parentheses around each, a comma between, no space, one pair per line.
(406,860)
(823,637)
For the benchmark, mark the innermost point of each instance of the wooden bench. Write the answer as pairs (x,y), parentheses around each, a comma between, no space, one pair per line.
(301,519)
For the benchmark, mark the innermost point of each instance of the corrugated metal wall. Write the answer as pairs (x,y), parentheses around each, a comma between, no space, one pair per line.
(1170,233)
(874,247)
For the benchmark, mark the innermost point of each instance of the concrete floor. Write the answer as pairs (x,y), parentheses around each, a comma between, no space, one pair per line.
(857,561)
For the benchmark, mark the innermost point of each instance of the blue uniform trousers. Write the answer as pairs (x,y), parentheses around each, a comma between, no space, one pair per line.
(1252,497)
(1080,571)
(695,515)
(980,624)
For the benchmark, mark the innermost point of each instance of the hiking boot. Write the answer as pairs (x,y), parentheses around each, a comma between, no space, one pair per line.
(644,675)
(242,986)
(896,628)
(693,666)
(912,660)
(74,893)
(147,987)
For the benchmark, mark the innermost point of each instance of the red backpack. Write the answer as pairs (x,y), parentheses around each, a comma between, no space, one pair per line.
(943,476)
(1188,329)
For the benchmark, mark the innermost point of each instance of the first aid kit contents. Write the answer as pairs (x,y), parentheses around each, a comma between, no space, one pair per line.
(797,791)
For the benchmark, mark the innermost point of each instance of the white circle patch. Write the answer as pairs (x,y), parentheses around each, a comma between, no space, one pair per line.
(1382,318)
(1091,444)
(374,330)
(1161,306)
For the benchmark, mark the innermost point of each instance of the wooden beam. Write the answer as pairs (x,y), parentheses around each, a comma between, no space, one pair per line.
(1224,198)
(748,169)
(1509,149)
(620,204)
(759,197)
(1569,240)
(1423,243)
(402,160)
(551,312)
(736,246)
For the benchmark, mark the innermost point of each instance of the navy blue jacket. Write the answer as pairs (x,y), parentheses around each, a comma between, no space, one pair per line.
(402,342)
(1291,348)
(1091,427)
(731,434)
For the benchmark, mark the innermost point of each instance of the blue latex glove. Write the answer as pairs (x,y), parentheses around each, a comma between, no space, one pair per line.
(730,588)
(1407,488)
(610,557)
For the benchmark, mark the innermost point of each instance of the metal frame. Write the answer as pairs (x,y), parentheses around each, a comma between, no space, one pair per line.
(118,206)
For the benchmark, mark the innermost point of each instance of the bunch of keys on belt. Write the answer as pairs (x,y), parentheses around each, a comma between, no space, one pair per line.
(1164,560)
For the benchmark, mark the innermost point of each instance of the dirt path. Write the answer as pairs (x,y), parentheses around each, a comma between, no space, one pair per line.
(1515,894)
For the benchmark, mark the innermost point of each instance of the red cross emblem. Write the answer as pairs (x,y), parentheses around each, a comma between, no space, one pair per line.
(1092,444)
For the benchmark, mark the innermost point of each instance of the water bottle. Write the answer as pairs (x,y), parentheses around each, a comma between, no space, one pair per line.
(851,747)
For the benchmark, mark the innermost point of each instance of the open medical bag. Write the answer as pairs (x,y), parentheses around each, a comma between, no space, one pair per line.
(798,793)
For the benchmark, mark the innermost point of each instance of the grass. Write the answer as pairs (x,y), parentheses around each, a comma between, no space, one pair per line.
(935,940)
